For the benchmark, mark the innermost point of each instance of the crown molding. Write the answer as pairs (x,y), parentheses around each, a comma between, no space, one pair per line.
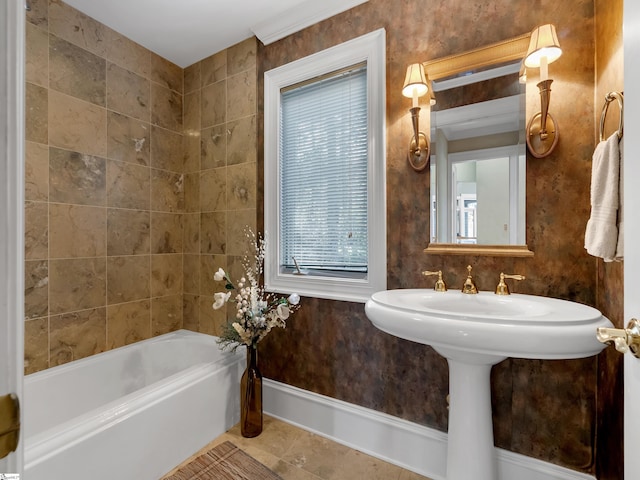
(303,16)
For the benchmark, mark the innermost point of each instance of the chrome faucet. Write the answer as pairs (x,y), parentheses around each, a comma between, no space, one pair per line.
(469,285)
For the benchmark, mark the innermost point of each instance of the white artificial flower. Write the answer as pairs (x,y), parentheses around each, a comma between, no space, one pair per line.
(219,275)
(257,312)
(238,328)
(220,299)
(294,299)
(217,304)
(283,311)
(244,334)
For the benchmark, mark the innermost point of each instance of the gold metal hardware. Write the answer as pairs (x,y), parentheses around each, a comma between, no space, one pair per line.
(497,53)
(419,145)
(503,288)
(469,286)
(440,285)
(9,424)
(608,98)
(542,130)
(484,250)
(624,339)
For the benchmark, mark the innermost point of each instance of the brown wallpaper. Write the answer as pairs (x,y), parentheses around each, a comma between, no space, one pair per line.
(545,409)
(609,77)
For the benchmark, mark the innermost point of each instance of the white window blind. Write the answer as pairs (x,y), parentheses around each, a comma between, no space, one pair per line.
(323,174)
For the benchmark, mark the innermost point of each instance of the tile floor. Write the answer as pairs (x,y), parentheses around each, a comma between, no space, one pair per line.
(296,454)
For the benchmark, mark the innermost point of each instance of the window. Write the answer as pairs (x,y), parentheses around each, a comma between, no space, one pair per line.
(325,215)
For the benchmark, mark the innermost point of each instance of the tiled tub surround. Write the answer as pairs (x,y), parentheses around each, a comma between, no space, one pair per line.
(127,180)
(104,189)
(220,175)
(150,405)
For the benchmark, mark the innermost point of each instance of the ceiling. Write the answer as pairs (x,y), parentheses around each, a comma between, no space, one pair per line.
(186,31)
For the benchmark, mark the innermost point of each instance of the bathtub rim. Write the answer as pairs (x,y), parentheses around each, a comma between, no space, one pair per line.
(166,337)
(50,442)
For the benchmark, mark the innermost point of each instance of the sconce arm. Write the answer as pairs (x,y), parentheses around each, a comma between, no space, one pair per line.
(545,100)
(415,118)
(419,148)
(542,129)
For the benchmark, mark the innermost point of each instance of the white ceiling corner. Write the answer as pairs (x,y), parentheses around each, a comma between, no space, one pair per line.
(306,14)
(187,31)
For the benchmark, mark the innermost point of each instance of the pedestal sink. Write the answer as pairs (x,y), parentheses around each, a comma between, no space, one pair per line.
(474,332)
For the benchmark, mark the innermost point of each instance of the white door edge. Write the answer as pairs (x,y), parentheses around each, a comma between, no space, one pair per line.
(631,205)
(12,136)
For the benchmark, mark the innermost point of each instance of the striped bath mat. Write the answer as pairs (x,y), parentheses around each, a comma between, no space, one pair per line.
(224,462)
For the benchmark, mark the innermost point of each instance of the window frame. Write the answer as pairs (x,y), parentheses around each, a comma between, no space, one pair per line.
(369,48)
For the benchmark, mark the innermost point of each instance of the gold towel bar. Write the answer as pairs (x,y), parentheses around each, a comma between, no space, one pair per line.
(608,98)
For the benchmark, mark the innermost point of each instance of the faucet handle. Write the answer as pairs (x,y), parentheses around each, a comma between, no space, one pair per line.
(469,285)
(503,288)
(439,286)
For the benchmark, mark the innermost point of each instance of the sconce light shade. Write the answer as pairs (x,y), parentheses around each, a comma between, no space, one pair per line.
(522,76)
(415,83)
(543,43)
(432,96)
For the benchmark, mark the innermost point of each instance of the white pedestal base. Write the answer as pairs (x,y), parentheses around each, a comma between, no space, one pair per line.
(470,450)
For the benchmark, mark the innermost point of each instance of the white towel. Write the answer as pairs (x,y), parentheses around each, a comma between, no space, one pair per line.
(620,247)
(601,236)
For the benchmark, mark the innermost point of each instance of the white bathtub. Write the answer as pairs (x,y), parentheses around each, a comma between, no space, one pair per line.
(132,413)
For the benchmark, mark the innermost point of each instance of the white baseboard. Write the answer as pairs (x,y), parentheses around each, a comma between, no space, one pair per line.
(411,446)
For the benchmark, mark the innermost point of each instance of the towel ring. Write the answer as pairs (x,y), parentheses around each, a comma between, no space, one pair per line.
(608,98)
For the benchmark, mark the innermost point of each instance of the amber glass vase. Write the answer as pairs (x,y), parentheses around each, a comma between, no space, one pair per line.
(251,396)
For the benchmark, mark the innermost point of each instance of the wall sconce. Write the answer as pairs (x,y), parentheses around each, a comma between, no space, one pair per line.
(522,76)
(542,130)
(415,85)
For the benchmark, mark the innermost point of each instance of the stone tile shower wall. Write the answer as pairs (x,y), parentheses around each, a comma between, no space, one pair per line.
(104,189)
(128,181)
(220,176)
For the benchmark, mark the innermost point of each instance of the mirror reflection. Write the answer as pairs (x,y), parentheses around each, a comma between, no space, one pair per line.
(478,159)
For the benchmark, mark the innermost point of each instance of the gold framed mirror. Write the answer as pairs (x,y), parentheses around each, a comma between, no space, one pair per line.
(454,225)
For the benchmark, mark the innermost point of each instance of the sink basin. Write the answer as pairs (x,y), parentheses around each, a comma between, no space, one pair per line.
(522,326)
(474,332)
